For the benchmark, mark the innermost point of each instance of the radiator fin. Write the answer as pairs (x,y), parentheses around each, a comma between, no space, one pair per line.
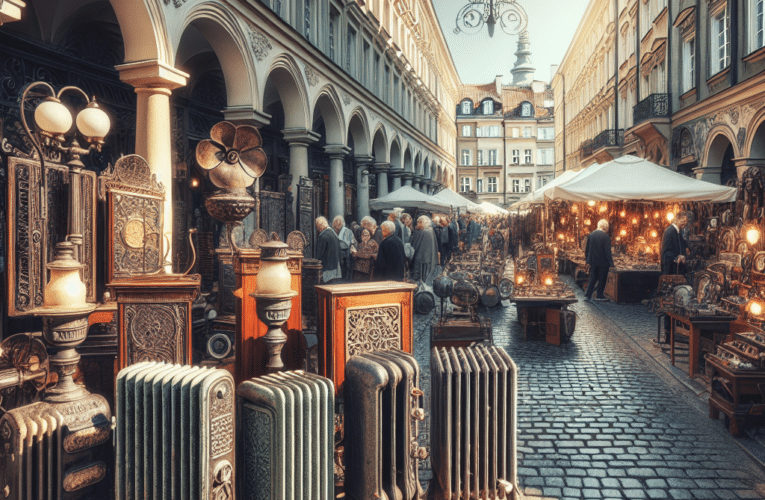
(175,433)
(286,433)
(473,423)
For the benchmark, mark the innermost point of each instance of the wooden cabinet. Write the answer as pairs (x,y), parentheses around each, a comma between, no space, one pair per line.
(631,286)
(362,317)
(251,352)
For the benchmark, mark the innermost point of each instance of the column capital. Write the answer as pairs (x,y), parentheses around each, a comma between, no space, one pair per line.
(744,164)
(246,115)
(397,172)
(300,136)
(407,175)
(336,151)
(364,159)
(381,167)
(152,74)
(11,10)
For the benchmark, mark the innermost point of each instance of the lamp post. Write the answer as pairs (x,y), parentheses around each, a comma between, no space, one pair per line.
(472,17)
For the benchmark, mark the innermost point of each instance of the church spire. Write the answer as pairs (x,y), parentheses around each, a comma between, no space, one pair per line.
(523,70)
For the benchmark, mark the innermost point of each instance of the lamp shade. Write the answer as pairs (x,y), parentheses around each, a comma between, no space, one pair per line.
(274,277)
(93,122)
(53,117)
(65,288)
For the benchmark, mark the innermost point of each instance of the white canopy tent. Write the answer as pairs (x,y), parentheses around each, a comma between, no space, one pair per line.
(408,197)
(492,209)
(633,178)
(456,200)
(538,196)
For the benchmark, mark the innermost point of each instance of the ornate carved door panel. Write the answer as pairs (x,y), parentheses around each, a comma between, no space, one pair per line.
(272,213)
(306,215)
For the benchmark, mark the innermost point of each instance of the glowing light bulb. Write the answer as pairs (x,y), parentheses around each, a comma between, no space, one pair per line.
(622,213)
(623,232)
(563,220)
(519,280)
(648,249)
(634,220)
(194,183)
(561,236)
(574,208)
(603,208)
(755,308)
(591,203)
(618,238)
(753,236)
(548,281)
(670,216)
(587,222)
(655,215)
(654,234)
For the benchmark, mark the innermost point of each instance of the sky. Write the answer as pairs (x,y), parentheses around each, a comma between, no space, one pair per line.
(479,58)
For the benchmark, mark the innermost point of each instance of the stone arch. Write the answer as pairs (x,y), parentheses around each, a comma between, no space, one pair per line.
(408,166)
(221,29)
(380,144)
(284,84)
(395,153)
(719,152)
(358,129)
(426,168)
(418,163)
(755,144)
(144,30)
(327,106)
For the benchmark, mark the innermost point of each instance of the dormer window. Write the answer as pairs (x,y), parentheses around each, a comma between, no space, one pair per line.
(488,107)
(467,107)
(526,110)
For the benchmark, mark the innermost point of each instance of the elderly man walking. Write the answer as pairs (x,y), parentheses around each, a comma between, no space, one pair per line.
(328,251)
(425,251)
(347,243)
(599,258)
(389,264)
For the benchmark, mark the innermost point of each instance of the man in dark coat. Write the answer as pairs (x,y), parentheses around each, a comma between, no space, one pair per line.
(674,247)
(599,258)
(328,251)
(389,264)
(454,237)
(425,251)
(444,247)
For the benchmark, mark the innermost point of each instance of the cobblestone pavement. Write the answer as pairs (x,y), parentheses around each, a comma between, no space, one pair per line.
(598,419)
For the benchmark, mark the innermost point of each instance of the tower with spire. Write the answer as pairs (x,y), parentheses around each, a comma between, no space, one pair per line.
(523,70)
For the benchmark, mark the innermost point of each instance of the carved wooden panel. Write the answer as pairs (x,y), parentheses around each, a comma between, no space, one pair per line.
(305,217)
(31,239)
(135,218)
(361,317)
(272,218)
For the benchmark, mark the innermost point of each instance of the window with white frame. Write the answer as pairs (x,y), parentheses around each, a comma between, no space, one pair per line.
(466,157)
(466,131)
(516,156)
(492,184)
(492,160)
(543,180)
(756,16)
(545,156)
(488,107)
(719,43)
(546,133)
(350,54)
(526,109)
(527,156)
(479,186)
(487,131)
(334,26)
(467,107)
(516,185)
(526,131)
(479,157)
(465,184)
(526,185)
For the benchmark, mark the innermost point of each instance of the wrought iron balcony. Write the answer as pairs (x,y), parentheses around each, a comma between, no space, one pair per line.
(608,139)
(653,106)
(586,148)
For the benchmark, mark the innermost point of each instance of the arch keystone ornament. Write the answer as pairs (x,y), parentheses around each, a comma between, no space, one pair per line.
(260,44)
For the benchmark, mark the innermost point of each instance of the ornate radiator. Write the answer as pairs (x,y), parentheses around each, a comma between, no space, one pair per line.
(382,409)
(285,425)
(473,408)
(175,433)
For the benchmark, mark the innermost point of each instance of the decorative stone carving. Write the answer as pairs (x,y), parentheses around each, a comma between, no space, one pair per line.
(311,76)
(260,44)
(346,99)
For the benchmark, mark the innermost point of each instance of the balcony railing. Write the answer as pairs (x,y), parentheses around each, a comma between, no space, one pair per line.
(608,138)
(653,106)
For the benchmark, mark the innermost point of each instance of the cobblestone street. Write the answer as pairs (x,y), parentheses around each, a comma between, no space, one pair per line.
(598,417)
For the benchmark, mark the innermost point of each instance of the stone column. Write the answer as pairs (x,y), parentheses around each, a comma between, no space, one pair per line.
(337,153)
(744,164)
(407,177)
(154,81)
(363,167)
(396,173)
(299,140)
(382,178)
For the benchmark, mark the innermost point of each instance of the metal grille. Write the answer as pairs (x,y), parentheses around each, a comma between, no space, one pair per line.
(473,433)
(382,411)
(175,433)
(286,437)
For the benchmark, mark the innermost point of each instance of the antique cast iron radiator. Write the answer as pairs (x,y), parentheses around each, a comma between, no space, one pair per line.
(382,409)
(473,408)
(175,433)
(285,436)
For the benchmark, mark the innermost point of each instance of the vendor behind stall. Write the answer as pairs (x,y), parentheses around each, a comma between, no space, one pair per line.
(673,246)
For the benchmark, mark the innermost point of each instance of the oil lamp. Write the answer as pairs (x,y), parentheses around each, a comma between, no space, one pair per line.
(273,296)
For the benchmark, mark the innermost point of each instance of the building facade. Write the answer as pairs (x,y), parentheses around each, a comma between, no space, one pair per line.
(356,97)
(505,139)
(675,82)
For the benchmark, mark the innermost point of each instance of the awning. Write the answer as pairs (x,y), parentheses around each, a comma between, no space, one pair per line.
(633,178)
(538,196)
(408,197)
(456,200)
(491,208)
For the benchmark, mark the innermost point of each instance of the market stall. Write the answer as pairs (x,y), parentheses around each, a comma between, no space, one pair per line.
(408,197)
(639,199)
(457,201)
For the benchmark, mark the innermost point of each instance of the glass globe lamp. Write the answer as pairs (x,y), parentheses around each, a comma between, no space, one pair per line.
(52,117)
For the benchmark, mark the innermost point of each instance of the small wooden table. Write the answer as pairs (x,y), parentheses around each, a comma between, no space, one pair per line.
(538,306)
(695,325)
(743,385)
(628,285)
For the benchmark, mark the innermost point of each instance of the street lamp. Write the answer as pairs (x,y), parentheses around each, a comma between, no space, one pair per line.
(510,15)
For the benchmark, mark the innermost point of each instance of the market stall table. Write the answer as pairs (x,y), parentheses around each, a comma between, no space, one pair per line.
(693,326)
(547,312)
(631,285)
